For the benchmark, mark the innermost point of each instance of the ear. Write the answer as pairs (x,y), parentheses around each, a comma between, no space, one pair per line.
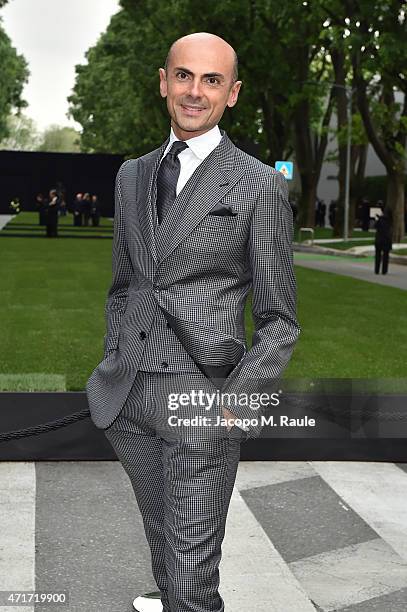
(163,82)
(234,92)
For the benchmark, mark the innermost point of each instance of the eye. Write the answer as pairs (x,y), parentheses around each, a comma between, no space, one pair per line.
(183,74)
(213,81)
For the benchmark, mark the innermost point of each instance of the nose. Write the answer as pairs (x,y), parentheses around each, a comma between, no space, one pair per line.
(195,90)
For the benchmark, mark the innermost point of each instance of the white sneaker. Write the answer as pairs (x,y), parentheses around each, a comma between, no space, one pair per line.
(149,602)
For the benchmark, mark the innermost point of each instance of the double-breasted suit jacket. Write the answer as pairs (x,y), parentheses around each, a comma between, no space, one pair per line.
(228,231)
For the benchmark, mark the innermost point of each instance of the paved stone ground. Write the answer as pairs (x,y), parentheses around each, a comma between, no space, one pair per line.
(300,537)
(363,269)
(4,219)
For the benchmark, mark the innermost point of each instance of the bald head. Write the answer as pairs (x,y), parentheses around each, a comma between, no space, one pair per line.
(199,81)
(200,40)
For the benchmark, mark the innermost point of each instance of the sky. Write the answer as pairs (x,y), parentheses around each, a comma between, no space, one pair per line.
(53,36)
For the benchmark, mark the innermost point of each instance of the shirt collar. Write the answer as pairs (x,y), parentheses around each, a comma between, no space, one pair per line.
(201,145)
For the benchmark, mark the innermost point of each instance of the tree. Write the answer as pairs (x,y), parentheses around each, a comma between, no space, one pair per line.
(287,68)
(295,60)
(369,37)
(127,114)
(379,60)
(375,45)
(23,134)
(335,40)
(279,51)
(60,139)
(110,99)
(13,75)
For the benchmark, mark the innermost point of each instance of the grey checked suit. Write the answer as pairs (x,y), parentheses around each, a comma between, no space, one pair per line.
(175,321)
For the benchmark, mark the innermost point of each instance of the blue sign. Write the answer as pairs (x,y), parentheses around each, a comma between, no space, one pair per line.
(286,168)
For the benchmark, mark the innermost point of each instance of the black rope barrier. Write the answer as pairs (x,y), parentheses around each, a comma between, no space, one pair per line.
(44,427)
(83,414)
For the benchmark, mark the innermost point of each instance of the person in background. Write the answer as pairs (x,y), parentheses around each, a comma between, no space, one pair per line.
(294,208)
(365,214)
(332,213)
(62,205)
(41,205)
(358,212)
(86,208)
(77,210)
(95,210)
(380,204)
(320,213)
(383,240)
(52,214)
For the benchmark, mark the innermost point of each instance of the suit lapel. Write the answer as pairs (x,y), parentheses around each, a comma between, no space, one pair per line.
(208,184)
(147,190)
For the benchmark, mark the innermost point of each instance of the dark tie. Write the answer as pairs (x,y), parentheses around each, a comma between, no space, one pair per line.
(167,178)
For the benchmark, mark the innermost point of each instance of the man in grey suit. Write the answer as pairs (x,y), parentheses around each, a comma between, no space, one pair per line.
(198,224)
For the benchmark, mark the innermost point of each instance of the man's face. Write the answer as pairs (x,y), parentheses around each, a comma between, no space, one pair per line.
(198,87)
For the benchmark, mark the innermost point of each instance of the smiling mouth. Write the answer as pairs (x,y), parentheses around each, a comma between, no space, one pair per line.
(192,110)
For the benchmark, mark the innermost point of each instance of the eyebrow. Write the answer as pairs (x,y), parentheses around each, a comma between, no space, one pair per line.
(207,74)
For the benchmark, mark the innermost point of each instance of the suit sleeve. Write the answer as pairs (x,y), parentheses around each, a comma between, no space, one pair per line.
(122,272)
(273,292)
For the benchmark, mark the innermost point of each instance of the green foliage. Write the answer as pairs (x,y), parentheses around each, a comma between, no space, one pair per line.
(13,74)
(60,139)
(375,188)
(114,99)
(23,134)
(378,34)
(116,96)
(289,57)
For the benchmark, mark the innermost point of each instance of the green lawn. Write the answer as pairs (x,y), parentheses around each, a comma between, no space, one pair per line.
(327,232)
(348,245)
(54,290)
(26,224)
(350,328)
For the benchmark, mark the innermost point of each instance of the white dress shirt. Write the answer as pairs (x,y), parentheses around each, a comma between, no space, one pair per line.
(199,147)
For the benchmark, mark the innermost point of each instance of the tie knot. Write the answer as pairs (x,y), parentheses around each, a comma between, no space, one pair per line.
(177,147)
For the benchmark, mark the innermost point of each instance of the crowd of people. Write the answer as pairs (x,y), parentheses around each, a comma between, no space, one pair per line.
(368,216)
(325,216)
(85,209)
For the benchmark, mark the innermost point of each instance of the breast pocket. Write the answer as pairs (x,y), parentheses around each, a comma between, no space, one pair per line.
(214,233)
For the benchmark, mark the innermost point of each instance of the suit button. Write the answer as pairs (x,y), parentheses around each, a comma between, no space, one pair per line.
(164,364)
(143,335)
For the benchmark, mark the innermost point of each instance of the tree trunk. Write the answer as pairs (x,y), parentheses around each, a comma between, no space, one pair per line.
(338,61)
(306,212)
(395,200)
(358,169)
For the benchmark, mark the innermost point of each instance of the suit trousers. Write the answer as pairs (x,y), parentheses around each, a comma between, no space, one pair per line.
(381,258)
(183,477)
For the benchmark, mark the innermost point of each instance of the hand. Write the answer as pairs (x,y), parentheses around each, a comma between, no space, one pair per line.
(230,418)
